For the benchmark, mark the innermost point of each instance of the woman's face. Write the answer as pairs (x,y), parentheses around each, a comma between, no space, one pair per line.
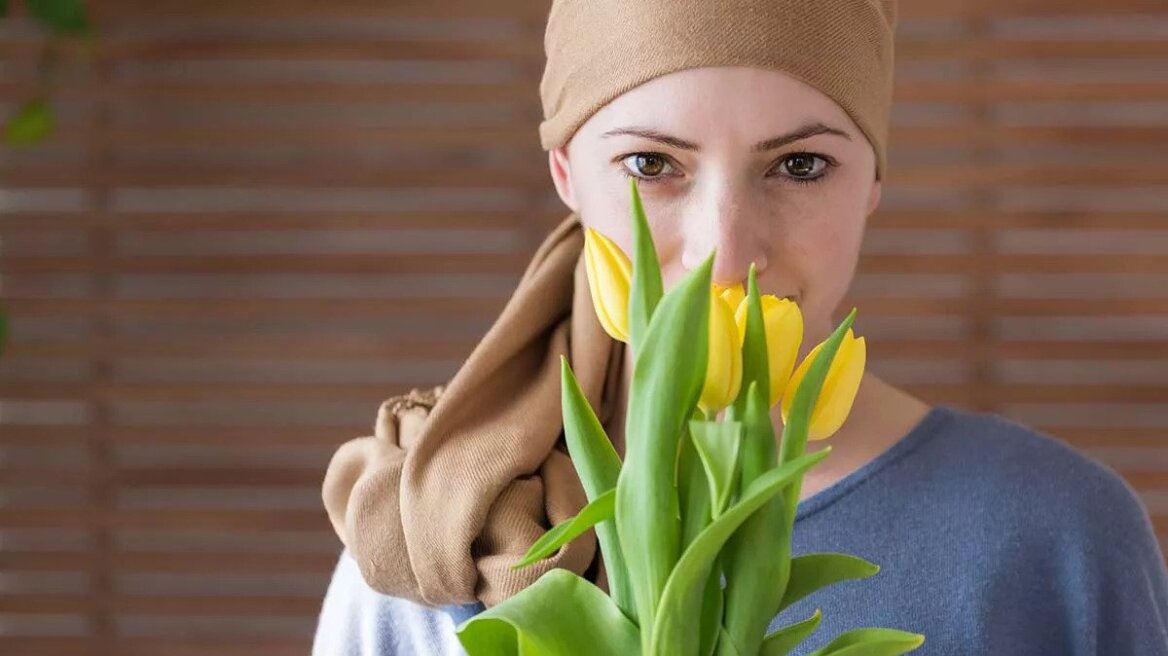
(751,162)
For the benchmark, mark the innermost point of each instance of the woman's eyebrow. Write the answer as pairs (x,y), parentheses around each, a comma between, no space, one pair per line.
(803,132)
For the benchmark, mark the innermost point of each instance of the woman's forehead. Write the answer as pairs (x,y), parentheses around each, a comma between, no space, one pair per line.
(740,103)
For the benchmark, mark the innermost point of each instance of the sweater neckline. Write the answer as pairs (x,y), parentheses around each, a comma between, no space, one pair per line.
(929,426)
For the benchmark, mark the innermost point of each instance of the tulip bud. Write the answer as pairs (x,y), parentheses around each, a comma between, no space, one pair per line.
(783,324)
(732,295)
(839,387)
(724,362)
(610,275)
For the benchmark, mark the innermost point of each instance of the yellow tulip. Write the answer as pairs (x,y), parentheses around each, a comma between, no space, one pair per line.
(732,295)
(610,275)
(724,361)
(839,387)
(783,324)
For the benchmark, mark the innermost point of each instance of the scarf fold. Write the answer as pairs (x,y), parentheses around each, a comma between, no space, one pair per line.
(459,480)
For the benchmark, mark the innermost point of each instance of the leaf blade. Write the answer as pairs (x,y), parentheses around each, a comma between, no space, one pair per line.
(671,634)
(781,641)
(560,614)
(871,641)
(598,466)
(598,510)
(810,572)
(717,444)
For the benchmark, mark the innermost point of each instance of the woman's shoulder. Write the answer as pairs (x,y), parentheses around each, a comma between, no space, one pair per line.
(356,620)
(1035,477)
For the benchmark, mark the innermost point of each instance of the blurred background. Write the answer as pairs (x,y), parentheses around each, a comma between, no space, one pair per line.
(229,230)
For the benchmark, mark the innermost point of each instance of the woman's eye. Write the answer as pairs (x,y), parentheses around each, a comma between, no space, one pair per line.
(647,165)
(803,165)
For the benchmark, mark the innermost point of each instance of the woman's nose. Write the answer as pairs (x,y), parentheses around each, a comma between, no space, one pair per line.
(733,233)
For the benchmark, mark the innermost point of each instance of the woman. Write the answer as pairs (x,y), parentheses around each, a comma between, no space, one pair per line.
(757,129)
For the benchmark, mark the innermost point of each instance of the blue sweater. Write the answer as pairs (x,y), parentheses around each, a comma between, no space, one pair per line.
(992,538)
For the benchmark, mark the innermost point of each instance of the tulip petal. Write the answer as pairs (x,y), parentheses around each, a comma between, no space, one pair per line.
(783,323)
(608,281)
(732,295)
(840,389)
(724,357)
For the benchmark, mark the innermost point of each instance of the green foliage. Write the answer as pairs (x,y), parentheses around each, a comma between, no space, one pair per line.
(560,614)
(717,444)
(31,124)
(68,17)
(782,641)
(599,466)
(599,510)
(810,572)
(693,499)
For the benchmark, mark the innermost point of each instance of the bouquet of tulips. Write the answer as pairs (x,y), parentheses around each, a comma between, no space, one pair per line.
(695,524)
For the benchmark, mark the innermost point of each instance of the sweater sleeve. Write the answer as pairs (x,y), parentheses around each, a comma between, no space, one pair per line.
(1134,612)
(1128,596)
(356,620)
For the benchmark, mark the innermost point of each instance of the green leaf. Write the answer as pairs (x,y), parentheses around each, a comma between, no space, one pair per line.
(813,571)
(717,444)
(598,465)
(666,383)
(871,641)
(3,330)
(595,512)
(560,614)
(64,16)
(755,367)
(782,641)
(647,288)
(3,8)
(754,586)
(693,491)
(726,645)
(795,430)
(30,125)
(674,629)
(712,607)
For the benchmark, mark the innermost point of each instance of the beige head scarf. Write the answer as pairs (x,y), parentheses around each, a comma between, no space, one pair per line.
(457,481)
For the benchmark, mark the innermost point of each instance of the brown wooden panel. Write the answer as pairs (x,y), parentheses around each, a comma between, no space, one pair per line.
(209,290)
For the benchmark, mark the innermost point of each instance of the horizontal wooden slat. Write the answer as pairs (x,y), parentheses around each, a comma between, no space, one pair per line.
(524,138)
(368,47)
(269,347)
(16,645)
(291,392)
(199,391)
(534,10)
(166,477)
(1112,437)
(536,176)
(431,307)
(481,177)
(253,264)
(181,221)
(191,606)
(539,222)
(275,436)
(359,347)
(1029,90)
(514,263)
(169,518)
(480,308)
(167,561)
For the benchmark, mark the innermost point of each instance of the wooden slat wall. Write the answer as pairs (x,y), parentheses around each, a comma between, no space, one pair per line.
(258,220)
